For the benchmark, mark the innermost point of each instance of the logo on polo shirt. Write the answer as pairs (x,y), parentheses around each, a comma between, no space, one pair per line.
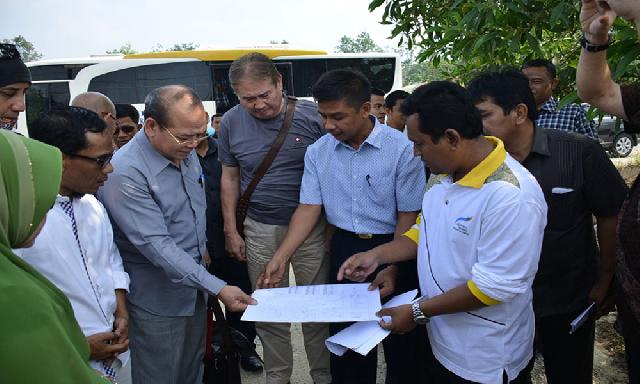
(298,142)
(461,225)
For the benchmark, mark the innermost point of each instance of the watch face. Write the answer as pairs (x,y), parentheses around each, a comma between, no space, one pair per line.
(420,320)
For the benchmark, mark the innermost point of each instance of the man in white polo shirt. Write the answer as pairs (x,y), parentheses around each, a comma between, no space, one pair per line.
(477,243)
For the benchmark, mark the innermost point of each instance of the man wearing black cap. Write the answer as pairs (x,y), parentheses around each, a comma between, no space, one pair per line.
(15,79)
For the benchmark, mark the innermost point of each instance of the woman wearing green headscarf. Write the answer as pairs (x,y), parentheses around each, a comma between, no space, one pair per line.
(40,340)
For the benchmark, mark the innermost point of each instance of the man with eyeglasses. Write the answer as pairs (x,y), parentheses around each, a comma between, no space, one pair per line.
(75,249)
(246,134)
(15,79)
(100,104)
(156,201)
(127,124)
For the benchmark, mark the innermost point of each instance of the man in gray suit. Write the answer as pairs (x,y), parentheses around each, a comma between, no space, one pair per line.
(156,200)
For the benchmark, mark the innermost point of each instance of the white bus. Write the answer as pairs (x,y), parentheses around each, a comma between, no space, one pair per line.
(128,79)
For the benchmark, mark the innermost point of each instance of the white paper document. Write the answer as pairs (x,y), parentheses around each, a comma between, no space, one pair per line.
(363,336)
(315,303)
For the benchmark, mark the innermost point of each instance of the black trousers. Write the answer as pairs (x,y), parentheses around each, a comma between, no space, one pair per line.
(441,375)
(351,368)
(406,354)
(235,273)
(567,358)
(406,357)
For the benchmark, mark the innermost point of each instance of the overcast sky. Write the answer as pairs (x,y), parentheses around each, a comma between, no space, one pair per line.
(76,28)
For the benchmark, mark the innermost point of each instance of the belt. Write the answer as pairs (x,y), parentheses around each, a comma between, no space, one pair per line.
(364,236)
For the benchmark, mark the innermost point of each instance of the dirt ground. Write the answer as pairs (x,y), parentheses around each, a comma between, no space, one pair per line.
(609,365)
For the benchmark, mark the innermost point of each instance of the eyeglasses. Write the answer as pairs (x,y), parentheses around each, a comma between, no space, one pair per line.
(101,161)
(9,52)
(195,140)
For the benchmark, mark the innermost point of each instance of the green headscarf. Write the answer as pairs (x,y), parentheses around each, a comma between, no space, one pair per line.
(26,192)
(40,340)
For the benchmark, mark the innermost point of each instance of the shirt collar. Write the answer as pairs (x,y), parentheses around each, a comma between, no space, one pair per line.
(155,160)
(550,105)
(540,142)
(479,174)
(375,136)
(62,199)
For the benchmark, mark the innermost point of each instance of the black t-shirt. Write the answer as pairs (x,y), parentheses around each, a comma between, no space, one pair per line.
(578,180)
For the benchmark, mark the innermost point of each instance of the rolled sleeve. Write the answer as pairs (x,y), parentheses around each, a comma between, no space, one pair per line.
(509,250)
(121,280)
(310,191)
(137,214)
(411,182)
(414,232)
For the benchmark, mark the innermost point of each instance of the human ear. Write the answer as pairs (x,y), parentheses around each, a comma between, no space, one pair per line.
(150,126)
(365,109)
(453,138)
(522,113)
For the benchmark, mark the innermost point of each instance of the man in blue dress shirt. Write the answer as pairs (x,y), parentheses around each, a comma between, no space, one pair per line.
(369,183)
(156,201)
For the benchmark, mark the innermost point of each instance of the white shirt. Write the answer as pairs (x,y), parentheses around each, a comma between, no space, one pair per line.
(57,256)
(485,231)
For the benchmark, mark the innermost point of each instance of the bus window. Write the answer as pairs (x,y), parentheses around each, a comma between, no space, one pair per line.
(379,71)
(42,97)
(223,94)
(285,71)
(131,85)
(306,73)
(56,72)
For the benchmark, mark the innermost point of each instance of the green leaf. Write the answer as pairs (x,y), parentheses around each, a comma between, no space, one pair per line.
(375,4)
(568,99)
(556,13)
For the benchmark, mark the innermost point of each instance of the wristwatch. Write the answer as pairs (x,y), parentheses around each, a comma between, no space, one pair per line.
(418,316)
(590,47)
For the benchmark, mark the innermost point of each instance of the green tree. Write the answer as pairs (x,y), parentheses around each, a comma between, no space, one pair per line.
(26,48)
(126,49)
(476,35)
(414,72)
(362,43)
(176,47)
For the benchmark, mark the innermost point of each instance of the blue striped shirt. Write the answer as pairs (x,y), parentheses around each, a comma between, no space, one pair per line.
(363,189)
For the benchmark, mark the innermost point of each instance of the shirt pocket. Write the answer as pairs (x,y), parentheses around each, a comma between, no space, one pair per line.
(380,190)
(563,201)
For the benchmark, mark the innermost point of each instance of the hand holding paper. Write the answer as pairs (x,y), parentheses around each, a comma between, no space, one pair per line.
(363,336)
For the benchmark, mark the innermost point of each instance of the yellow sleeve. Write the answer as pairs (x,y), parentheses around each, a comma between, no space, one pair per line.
(414,232)
(475,291)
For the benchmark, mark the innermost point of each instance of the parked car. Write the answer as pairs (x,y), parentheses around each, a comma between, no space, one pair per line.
(614,140)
